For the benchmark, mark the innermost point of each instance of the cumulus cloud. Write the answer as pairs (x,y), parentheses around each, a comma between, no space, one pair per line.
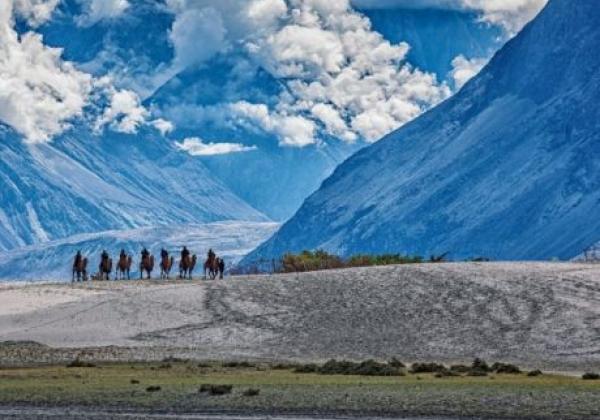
(464,69)
(39,92)
(339,77)
(97,10)
(35,12)
(510,14)
(124,114)
(163,126)
(197,147)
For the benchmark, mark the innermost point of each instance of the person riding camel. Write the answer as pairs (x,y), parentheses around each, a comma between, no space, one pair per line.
(164,253)
(185,253)
(104,255)
(145,253)
(123,254)
(77,260)
(211,254)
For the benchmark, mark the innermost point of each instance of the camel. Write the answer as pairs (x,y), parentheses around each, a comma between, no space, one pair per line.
(124,267)
(186,266)
(147,265)
(211,265)
(166,264)
(105,268)
(80,268)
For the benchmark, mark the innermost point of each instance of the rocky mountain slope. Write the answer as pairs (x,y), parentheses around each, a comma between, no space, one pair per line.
(83,184)
(509,168)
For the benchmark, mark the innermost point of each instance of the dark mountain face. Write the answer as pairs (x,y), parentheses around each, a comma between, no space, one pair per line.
(509,168)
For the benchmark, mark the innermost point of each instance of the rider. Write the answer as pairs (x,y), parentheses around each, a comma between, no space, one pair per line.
(145,254)
(164,253)
(104,255)
(185,253)
(211,254)
(123,254)
(221,267)
(77,259)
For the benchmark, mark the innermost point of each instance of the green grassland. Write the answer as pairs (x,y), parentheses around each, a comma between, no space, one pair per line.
(282,390)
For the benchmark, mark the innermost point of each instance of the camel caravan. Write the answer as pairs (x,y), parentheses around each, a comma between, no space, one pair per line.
(213,266)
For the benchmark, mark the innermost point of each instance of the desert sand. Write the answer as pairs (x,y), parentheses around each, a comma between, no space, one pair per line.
(539,315)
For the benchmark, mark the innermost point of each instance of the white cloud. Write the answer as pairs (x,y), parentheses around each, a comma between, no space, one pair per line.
(124,114)
(197,147)
(334,69)
(35,12)
(464,70)
(97,10)
(197,35)
(39,92)
(163,126)
(292,130)
(510,14)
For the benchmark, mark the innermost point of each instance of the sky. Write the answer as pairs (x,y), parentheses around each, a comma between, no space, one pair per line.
(339,78)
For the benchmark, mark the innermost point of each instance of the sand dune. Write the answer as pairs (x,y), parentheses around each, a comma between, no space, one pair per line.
(537,314)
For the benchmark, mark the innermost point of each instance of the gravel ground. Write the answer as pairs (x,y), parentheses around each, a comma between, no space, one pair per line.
(538,315)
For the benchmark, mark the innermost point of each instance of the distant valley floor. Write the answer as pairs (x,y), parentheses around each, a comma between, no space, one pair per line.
(539,315)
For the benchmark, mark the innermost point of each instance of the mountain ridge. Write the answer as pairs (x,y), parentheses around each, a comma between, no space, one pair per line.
(507,168)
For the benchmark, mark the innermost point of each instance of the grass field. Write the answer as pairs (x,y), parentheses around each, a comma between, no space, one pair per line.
(129,387)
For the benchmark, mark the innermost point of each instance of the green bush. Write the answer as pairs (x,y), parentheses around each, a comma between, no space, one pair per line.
(322,260)
(536,372)
(427,368)
(345,367)
(505,368)
(590,376)
(78,363)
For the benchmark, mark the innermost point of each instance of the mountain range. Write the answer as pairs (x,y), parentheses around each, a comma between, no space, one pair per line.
(508,168)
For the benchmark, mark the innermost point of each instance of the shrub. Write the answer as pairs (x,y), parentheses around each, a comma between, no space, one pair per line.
(506,368)
(427,368)
(243,365)
(307,368)
(78,363)
(345,367)
(134,381)
(251,392)
(536,372)
(153,388)
(446,373)
(216,389)
(396,363)
(172,359)
(477,372)
(460,368)
(480,365)
(285,366)
(590,376)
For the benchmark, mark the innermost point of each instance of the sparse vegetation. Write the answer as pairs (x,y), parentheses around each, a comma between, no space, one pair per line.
(215,389)
(427,368)
(251,392)
(534,373)
(590,376)
(345,367)
(322,260)
(284,391)
(78,363)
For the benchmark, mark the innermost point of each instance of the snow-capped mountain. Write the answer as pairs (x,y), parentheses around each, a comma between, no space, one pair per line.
(509,168)
(51,261)
(82,184)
